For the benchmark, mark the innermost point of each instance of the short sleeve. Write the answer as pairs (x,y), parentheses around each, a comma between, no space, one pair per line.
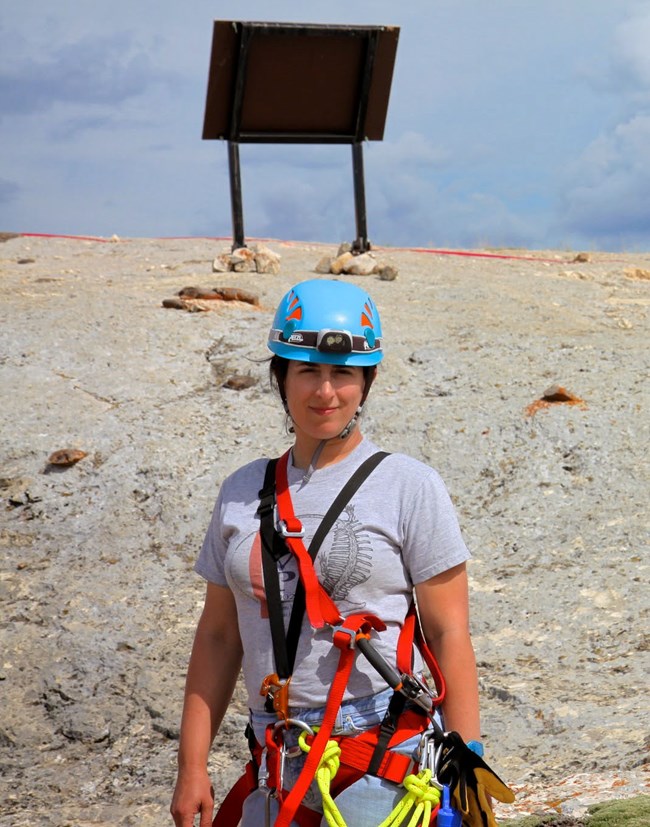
(432,539)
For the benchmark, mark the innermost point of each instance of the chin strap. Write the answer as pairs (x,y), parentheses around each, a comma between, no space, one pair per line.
(352,424)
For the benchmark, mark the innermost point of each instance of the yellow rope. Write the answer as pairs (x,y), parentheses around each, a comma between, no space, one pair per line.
(327,769)
(421,795)
(419,792)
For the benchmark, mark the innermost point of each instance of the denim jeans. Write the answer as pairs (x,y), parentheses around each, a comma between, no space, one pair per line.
(368,801)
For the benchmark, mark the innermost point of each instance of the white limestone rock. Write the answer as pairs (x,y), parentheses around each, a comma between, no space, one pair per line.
(266,261)
(364,264)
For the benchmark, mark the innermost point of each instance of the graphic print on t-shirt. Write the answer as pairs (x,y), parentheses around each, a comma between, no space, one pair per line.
(348,562)
(343,562)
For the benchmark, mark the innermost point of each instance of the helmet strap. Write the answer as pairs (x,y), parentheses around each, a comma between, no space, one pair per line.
(352,424)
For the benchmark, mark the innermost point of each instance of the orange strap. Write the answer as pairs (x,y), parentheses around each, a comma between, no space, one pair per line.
(321,609)
(344,638)
(409,633)
(357,751)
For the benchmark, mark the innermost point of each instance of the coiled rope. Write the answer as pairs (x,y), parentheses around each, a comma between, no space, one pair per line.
(421,796)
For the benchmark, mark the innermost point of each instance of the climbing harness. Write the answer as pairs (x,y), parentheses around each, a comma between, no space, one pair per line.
(336,762)
(412,701)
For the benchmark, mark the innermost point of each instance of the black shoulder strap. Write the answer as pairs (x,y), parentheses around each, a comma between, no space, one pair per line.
(343,498)
(272,549)
(285,648)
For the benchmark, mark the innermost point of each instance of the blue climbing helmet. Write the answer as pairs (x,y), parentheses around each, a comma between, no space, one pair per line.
(333,322)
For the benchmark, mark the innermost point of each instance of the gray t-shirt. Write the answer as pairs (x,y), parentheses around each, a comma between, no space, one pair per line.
(398,530)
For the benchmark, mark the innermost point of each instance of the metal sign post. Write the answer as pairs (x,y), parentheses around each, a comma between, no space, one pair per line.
(299,83)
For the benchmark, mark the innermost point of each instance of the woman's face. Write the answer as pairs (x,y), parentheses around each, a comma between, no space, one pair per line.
(322,399)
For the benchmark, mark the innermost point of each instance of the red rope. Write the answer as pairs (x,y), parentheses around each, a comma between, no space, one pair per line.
(72,237)
(473,254)
(431,251)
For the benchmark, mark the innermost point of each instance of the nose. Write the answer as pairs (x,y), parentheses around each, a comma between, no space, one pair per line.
(325,385)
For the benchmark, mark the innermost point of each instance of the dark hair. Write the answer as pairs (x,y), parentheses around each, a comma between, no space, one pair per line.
(278,367)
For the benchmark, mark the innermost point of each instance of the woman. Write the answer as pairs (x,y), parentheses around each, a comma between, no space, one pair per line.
(397,536)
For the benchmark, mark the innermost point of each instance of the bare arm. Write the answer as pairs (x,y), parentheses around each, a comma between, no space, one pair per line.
(211,677)
(443,606)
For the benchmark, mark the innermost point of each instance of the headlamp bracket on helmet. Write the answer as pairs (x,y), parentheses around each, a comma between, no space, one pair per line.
(334,341)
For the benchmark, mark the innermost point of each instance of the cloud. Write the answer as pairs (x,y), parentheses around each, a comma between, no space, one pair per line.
(306,193)
(605,193)
(66,130)
(94,70)
(411,210)
(409,149)
(609,190)
(412,196)
(630,54)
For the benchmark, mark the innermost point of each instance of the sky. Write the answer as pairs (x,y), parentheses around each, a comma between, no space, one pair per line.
(510,124)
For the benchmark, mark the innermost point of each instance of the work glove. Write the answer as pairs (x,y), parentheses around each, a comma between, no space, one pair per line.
(470,781)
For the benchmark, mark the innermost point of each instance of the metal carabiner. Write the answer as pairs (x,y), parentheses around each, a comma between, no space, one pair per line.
(423,751)
(418,692)
(287,752)
(427,756)
(431,763)
(297,723)
(263,772)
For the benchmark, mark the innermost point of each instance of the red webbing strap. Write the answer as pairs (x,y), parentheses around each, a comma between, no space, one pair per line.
(432,663)
(409,633)
(307,818)
(321,609)
(404,658)
(343,640)
(357,752)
